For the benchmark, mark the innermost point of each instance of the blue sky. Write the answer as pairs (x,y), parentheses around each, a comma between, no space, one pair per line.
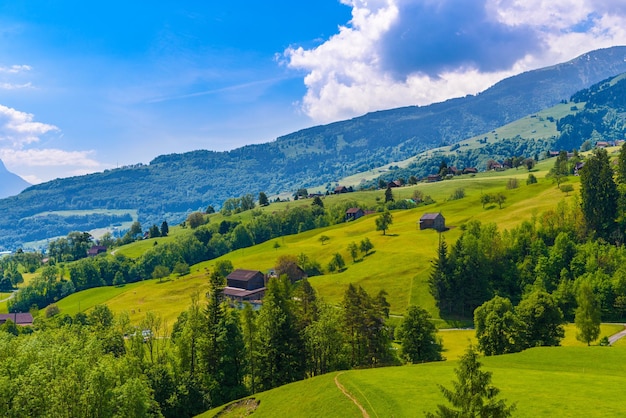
(88,87)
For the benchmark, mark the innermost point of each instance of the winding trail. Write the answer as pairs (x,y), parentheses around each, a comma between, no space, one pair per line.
(11,296)
(349,396)
(617,336)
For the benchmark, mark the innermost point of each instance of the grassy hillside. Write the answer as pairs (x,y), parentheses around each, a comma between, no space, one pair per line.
(544,382)
(400,262)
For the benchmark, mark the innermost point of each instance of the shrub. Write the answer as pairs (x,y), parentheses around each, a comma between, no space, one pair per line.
(458,194)
(512,184)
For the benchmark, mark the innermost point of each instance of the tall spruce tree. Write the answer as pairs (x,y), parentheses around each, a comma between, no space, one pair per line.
(281,347)
(472,394)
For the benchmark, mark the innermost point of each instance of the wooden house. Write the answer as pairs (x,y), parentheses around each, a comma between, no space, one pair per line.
(245,285)
(433,221)
(353,214)
(22,319)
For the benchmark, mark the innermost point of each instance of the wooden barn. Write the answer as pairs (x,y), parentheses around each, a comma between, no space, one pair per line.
(245,285)
(433,221)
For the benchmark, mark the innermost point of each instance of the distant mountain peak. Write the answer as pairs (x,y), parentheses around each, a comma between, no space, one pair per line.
(10,183)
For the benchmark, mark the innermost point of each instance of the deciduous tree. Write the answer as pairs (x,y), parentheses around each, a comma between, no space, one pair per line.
(418,337)
(383,221)
(542,320)
(587,317)
(497,327)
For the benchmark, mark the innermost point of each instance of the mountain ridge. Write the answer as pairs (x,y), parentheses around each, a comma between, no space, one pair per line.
(172,185)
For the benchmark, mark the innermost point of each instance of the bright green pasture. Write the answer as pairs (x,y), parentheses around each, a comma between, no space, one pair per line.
(543,382)
(82,301)
(399,263)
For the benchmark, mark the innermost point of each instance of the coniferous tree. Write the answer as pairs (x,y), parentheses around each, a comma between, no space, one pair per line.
(281,348)
(472,394)
(165,229)
(439,276)
(388,195)
(621,165)
(364,320)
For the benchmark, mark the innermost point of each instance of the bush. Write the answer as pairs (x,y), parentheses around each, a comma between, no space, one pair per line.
(512,184)
(531,179)
(52,310)
(458,194)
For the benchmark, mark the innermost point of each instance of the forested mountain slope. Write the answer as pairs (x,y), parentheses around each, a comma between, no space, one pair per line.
(172,185)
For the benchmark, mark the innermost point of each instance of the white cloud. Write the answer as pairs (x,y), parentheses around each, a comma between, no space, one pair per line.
(18,128)
(389,54)
(19,137)
(15,69)
(39,165)
(12,86)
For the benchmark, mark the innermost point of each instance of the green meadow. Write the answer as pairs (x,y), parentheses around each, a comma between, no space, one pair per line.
(543,382)
(399,263)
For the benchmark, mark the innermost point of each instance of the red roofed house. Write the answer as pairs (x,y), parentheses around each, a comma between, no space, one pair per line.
(245,285)
(433,221)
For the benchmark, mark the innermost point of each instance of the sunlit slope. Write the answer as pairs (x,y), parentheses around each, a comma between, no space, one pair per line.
(399,262)
(544,382)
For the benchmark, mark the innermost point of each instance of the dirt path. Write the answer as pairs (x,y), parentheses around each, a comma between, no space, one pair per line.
(11,296)
(349,396)
(617,336)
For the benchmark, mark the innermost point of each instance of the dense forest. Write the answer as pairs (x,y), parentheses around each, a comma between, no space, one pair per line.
(558,252)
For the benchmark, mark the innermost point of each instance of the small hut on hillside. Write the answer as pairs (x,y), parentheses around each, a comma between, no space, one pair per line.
(433,221)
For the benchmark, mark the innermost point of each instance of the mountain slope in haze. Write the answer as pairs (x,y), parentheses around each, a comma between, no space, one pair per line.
(10,183)
(173,185)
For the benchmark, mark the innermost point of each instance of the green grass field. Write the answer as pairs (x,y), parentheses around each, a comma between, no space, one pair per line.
(399,263)
(543,382)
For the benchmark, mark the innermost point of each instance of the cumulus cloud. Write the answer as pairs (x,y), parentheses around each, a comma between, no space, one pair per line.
(19,128)
(19,137)
(414,52)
